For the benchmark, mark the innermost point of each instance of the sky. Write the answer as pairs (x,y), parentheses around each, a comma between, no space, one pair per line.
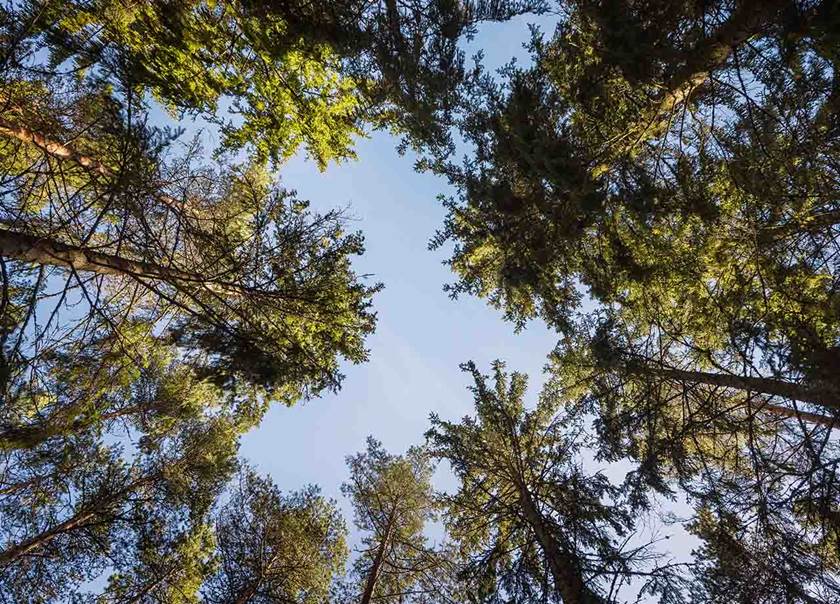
(421,336)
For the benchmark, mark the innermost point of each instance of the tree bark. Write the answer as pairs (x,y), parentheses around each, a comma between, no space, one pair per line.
(746,19)
(29,248)
(814,418)
(373,575)
(66,152)
(762,385)
(52,148)
(29,545)
(67,422)
(98,509)
(568,579)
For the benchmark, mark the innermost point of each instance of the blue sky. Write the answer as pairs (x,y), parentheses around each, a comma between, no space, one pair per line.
(422,335)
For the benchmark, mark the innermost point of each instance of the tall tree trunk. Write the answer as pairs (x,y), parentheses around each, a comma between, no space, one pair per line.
(748,18)
(762,385)
(51,147)
(375,569)
(81,517)
(797,414)
(30,248)
(30,545)
(66,152)
(565,570)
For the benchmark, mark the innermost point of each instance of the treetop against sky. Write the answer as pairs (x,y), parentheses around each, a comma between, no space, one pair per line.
(245,247)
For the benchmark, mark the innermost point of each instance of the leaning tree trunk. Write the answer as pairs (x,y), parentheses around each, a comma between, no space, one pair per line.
(35,543)
(565,569)
(67,421)
(748,17)
(66,152)
(88,514)
(46,251)
(769,386)
(376,568)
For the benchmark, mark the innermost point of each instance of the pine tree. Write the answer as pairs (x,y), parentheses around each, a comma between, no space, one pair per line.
(68,515)
(392,503)
(272,547)
(532,524)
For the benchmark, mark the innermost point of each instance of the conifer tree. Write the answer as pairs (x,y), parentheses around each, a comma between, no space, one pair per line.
(67,518)
(272,547)
(392,502)
(531,522)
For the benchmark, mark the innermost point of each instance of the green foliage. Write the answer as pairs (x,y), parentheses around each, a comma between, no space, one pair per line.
(275,548)
(526,509)
(392,502)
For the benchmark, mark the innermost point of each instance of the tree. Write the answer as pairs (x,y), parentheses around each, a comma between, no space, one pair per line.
(68,514)
(532,523)
(760,474)
(743,561)
(295,75)
(676,165)
(274,548)
(392,502)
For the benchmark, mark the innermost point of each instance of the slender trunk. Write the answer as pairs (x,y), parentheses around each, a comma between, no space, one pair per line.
(769,386)
(83,516)
(30,248)
(29,545)
(373,575)
(814,418)
(52,148)
(66,152)
(748,17)
(565,570)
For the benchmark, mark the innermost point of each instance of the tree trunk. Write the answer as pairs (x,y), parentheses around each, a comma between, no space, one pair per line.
(29,248)
(99,509)
(69,420)
(746,19)
(373,575)
(66,152)
(814,418)
(29,545)
(568,579)
(762,385)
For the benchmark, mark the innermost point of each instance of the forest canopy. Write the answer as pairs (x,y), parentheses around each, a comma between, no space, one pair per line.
(657,184)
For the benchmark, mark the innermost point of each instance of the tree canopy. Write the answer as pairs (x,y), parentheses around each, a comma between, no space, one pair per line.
(658,185)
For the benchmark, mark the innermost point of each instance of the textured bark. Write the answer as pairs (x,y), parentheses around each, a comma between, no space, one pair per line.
(27,546)
(565,570)
(769,386)
(52,148)
(29,248)
(91,513)
(747,19)
(814,418)
(66,152)
(373,575)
